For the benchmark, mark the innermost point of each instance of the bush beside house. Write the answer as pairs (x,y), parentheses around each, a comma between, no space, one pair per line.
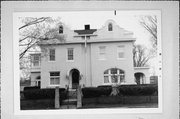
(128,94)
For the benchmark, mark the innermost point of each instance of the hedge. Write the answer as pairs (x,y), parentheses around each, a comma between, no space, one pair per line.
(35,93)
(138,90)
(124,90)
(31,88)
(91,92)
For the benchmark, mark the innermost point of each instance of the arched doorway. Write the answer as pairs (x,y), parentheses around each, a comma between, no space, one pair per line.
(139,78)
(75,76)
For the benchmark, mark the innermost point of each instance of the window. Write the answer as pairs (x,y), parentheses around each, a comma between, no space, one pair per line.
(54,78)
(52,54)
(38,81)
(102,52)
(60,29)
(70,54)
(114,76)
(36,60)
(120,52)
(110,27)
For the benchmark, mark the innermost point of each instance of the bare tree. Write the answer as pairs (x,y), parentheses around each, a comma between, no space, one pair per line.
(150,24)
(141,55)
(34,30)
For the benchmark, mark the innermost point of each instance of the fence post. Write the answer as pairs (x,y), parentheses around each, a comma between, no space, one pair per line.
(79,97)
(57,98)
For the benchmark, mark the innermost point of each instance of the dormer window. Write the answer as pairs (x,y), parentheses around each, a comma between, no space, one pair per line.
(60,29)
(110,27)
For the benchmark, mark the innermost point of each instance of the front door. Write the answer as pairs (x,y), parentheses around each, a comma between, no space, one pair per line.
(75,78)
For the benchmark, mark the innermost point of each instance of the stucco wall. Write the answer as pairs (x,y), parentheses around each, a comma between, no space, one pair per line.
(99,66)
(61,64)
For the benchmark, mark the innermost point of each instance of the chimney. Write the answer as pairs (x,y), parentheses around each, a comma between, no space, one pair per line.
(87,27)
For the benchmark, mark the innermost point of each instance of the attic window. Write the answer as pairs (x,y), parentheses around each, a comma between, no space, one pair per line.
(110,28)
(60,29)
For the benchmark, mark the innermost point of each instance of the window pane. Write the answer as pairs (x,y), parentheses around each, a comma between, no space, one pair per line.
(113,71)
(70,54)
(56,81)
(106,72)
(121,55)
(102,52)
(122,79)
(114,79)
(110,27)
(52,54)
(121,71)
(102,49)
(106,79)
(61,29)
(54,73)
(120,51)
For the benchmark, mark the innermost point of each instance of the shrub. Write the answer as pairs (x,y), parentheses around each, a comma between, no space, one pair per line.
(137,90)
(35,93)
(91,92)
(31,88)
(124,90)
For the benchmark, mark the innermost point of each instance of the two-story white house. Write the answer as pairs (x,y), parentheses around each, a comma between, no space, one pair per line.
(88,57)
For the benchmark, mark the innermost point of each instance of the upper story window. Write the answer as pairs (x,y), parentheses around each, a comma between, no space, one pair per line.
(120,52)
(102,52)
(36,60)
(54,78)
(110,27)
(70,54)
(51,54)
(114,76)
(60,29)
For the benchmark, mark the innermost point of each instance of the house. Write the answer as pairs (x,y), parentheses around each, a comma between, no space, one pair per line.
(87,57)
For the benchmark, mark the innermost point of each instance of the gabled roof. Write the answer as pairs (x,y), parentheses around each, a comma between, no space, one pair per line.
(81,32)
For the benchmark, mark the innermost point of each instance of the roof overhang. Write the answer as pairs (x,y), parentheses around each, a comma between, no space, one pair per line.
(92,41)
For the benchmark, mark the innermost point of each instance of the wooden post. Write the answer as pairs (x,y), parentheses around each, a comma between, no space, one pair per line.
(57,98)
(79,97)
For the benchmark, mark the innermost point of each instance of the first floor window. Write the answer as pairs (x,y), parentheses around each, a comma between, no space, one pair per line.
(54,78)
(114,76)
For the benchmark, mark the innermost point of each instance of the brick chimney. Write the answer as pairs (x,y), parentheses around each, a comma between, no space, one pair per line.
(87,27)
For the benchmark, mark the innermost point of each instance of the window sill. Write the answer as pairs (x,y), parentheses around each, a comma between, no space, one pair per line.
(53,86)
(52,61)
(120,58)
(101,59)
(69,60)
